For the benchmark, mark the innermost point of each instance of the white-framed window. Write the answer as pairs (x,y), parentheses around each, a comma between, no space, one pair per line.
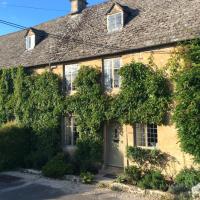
(111,73)
(71,72)
(115,22)
(30,42)
(146,135)
(70,132)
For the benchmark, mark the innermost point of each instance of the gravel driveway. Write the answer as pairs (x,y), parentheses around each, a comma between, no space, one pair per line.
(20,186)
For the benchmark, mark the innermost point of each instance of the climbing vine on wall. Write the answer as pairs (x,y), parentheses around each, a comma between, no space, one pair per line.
(187,97)
(6,95)
(144,96)
(88,104)
(34,101)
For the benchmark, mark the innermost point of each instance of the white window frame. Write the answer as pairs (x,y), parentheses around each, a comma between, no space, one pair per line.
(146,145)
(30,42)
(112,73)
(69,68)
(116,28)
(70,127)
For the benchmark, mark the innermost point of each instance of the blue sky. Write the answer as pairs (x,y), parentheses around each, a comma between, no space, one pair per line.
(11,10)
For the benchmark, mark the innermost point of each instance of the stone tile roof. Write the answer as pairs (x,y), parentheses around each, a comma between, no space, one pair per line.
(149,23)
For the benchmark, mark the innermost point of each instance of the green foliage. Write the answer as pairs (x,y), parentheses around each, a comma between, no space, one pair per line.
(44,102)
(44,147)
(57,167)
(122,178)
(133,174)
(144,96)
(33,101)
(188,102)
(147,158)
(88,104)
(89,153)
(188,178)
(153,180)
(87,177)
(15,143)
(177,189)
(191,52)
(6,98)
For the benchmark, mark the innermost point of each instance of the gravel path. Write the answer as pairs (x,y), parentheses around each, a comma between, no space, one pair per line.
(20,186)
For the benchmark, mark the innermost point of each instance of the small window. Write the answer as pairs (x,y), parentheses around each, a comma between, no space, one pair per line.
(111,73)
(30,42)
(71,72)
(146,135)
(115,22)
(70,134)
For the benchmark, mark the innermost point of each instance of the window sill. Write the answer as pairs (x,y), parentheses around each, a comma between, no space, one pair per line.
(146,147)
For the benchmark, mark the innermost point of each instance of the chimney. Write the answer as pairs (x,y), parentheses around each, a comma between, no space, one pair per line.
(78,5)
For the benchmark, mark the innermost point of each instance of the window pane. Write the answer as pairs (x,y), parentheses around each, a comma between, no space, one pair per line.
(118,19)
(75,132)
(140,135)
(115,22)
(71,72)
(74,72)
(116,66)
(152,135)
(111,23)
(32,41)
(68,77)
(108,73)
(68,132)
(71,134)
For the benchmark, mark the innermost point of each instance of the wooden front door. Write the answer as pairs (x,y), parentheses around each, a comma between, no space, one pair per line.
(115,145)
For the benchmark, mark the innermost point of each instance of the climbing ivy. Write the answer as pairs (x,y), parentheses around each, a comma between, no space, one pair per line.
(6,95)
(187,97)
(43,110)
(144,96)
(33,101)
(88,104)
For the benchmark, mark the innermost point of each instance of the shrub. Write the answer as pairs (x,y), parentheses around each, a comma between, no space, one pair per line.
(122,178)
(15,144)
(57,167)
(147,159)
(89,154)
(153,180)
(177,189)
(188,178)
(133,174)
(45,146)
(87,177)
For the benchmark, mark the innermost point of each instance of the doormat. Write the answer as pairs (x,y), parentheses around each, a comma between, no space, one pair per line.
(8,179)
(113,176)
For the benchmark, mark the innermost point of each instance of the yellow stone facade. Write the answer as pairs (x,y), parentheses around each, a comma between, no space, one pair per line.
(167,135)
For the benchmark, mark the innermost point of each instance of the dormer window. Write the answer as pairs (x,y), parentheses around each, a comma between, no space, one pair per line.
(33,37)
(115,17)
(115,22)
(30,42)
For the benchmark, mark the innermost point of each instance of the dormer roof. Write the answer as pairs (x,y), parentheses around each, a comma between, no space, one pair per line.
(116,7)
